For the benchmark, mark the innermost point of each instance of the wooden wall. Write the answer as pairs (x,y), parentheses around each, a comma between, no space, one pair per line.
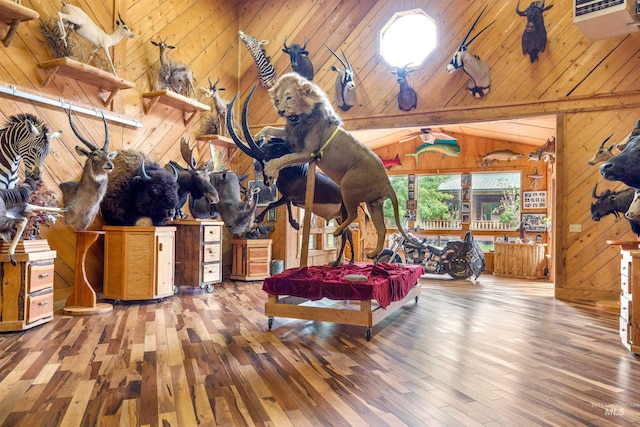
(591,86)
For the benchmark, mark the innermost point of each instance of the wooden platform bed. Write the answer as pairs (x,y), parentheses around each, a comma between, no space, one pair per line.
(387,288)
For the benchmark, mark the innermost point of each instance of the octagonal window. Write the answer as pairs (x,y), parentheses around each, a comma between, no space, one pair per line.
(408,38)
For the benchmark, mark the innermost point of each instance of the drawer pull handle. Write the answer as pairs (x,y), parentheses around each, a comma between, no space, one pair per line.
(41,303)
(43,275)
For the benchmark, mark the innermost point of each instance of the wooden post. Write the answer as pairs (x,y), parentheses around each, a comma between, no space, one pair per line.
(308,206)
(82,300)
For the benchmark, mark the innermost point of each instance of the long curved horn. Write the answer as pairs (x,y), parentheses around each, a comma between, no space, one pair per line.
(107,136)
(605,140)
(145,175)
(285,43)
(334,54)
(594,192)
(77,133)
(232,132)
(464,41)
(175,172)
(259,154)
(346,59)
(518,11)
(304,46)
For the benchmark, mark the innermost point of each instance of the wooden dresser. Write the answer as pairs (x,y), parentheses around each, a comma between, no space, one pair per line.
(27,289)
(138,262)
(198,253)
(630,284)
(251,259)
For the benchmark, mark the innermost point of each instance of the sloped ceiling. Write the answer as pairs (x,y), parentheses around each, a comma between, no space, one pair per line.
(531,131)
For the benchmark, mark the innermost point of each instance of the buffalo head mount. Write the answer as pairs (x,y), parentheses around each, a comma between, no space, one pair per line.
(534,38)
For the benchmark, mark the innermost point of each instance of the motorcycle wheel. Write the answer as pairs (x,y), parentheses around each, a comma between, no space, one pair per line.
(385,256)
(458,268)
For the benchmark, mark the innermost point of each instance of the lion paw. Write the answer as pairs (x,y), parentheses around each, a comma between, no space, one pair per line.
(271,168)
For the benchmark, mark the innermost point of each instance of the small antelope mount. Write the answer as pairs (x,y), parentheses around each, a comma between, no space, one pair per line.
(534,37)
(345,86)
(173,75)
(79,21)
(407,97)
(299,56)
(218,124)
(478,71)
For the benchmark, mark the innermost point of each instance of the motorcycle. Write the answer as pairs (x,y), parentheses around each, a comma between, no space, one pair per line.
(461,259)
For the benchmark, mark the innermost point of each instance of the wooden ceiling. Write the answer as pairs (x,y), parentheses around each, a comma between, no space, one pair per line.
(531,131)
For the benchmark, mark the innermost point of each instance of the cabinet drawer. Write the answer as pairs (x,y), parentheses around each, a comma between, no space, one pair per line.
(212,233)
(40,277)
(258,269)
(211,252)
(211,273)
(39,306)
(258,253)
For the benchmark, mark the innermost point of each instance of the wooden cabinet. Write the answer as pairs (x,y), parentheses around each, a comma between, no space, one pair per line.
(523,260)
(251,259)
(198,253)
(630,284)
(138,262)
(27,290)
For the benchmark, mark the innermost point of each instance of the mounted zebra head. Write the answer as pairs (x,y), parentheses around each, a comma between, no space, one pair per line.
(25,136)
(266,72)
(478,71)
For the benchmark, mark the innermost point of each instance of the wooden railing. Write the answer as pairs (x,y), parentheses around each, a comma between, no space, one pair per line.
(441,224)
(490,226)
(446,224)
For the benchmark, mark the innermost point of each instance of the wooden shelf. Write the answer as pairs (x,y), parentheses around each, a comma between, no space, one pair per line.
(175,100)
(220,141)
(13,14)
(86,73)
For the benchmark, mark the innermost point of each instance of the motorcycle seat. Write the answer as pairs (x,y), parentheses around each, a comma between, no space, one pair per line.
(437,249)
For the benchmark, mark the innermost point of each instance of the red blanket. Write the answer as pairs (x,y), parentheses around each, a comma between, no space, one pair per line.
(386,282)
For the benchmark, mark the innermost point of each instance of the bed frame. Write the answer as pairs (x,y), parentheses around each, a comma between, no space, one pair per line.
(368,315)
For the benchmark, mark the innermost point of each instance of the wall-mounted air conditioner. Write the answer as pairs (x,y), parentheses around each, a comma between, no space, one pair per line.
(601,19)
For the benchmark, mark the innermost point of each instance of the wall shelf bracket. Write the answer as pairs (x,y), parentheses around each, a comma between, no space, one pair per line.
(13,14)
(189,106)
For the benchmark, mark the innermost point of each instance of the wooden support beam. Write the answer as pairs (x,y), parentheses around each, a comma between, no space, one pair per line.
(308,206)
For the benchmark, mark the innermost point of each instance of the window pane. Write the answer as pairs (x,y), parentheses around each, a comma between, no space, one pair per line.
(495,200)
(439,201)
(400,184)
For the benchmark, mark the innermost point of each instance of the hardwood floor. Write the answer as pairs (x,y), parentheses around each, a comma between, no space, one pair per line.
(497,352)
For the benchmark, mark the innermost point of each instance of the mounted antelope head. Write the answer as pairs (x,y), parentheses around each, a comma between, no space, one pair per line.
(478,71)
(345,87)
(407,97)
(299,56)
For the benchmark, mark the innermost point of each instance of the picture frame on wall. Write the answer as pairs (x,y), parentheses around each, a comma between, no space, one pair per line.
(534,222)
(534,200)
(466,207)
(412,178)
(412,195)
(412,204)
(466,194)
(465,180)
(412,186)
(466,218)
(272,215)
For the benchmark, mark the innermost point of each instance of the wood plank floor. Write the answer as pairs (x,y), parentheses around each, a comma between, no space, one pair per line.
(496,352)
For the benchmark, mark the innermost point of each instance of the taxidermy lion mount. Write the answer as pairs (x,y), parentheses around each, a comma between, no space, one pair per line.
(313,131)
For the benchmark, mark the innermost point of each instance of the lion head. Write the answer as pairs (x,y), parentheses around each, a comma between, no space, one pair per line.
(295,97)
